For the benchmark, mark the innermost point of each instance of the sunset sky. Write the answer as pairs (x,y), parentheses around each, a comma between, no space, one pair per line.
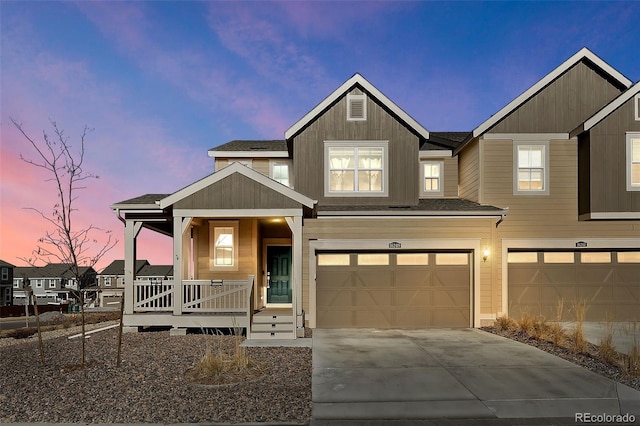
(162,82)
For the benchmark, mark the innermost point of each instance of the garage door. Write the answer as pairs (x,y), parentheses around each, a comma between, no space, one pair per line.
(608,281)
(393,290)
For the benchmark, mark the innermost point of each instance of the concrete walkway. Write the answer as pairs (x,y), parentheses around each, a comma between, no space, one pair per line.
(451,373)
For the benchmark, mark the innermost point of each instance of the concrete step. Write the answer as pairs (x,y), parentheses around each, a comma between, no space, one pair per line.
(272,327)
(272,319)
(272,334)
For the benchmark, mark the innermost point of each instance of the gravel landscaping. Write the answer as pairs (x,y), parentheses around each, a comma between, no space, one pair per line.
(150,386)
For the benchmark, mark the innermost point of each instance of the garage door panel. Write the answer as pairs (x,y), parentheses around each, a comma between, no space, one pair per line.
(394,295)
(610,289)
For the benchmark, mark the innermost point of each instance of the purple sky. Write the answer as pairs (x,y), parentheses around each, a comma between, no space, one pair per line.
(162,82)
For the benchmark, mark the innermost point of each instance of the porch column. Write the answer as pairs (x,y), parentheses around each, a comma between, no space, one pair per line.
(131,231)
(295,224)
(180,242)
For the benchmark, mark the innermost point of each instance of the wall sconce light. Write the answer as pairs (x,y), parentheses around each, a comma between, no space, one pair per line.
(485,254)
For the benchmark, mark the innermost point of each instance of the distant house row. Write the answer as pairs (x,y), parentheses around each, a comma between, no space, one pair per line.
(55,283)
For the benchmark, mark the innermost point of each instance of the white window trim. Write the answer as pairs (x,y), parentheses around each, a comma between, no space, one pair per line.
(234,224)
(39,283)
(354,97)
(357,144)
(52,283)
(274,163)
(545,165)
(440,191)
(630,185)
(636,103)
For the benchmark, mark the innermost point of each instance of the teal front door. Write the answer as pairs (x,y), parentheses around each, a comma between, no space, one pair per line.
(279,274)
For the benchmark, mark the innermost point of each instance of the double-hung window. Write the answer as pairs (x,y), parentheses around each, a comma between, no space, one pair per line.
(5,274)
(531,168)
(431,178)
(356,168)
(633,161)
(280,172)
(223,245)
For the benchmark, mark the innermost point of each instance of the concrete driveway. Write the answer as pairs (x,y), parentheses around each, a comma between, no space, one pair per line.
(451,373)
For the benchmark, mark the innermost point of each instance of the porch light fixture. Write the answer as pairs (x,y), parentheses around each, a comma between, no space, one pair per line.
(485,254)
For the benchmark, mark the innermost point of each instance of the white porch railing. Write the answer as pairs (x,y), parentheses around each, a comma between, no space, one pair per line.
(222,296)
(152,296)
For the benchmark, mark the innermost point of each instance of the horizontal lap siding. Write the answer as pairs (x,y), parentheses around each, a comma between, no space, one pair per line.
(551,216)
(469,168)
(399,229)
(450,178)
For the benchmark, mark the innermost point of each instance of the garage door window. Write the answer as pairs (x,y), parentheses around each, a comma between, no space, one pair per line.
(452,259)
(333,260)
(408,259)
(629,257)
(375,259)
(604,257)
(559,257)
(529,257)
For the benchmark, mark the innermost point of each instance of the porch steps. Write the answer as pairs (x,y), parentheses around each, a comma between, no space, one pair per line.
(273,324)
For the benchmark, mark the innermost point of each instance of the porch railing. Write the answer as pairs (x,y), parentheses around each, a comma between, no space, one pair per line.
(221,296)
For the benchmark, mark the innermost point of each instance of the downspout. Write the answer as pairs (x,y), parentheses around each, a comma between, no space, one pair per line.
(502,216)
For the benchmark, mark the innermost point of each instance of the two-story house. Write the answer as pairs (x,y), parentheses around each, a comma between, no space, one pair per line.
(51,283)
(361,217)
(110,281)
(6,283)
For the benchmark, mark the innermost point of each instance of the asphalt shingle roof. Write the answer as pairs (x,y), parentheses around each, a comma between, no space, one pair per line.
(252,145)
(426,205)
(117,267)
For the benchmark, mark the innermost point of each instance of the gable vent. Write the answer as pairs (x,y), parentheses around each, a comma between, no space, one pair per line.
(356,107)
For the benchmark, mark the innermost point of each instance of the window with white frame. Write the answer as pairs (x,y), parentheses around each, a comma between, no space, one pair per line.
(107,282)
(223,247)
(431,178)
(636,103)
(531,170)
(280,172)
(356,168)
(52,283)
(39,283)
(356,107)
(633,161)
(17,283)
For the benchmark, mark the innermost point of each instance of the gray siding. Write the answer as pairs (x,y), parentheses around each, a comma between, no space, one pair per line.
(236,192)
(308,154)
(607,142)
(563,105)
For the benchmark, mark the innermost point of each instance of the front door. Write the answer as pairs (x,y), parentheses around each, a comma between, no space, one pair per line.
(278,274)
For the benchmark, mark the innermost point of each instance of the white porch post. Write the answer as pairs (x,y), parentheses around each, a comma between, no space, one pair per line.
(295,224)
(180,225)
(131,231)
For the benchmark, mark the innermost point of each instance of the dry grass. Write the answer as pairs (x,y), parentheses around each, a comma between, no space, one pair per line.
(579,344)
(504,323)
(632,360)
(216,367)
(526,323)
(606,347)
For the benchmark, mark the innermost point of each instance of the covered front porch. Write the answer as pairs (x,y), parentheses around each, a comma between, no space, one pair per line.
(237,256)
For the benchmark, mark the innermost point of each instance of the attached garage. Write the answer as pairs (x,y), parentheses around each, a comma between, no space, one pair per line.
(393,289)
(607,280)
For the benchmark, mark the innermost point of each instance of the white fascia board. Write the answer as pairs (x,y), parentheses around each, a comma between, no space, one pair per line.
(584,53)
(229,170)
(137,208)
(611,107)
(248,154)
(400,214)
(340,91)
(435,153)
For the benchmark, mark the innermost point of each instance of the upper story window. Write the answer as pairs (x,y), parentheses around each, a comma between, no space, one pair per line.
(5,274)
(356,107)
(107,282)
(531,170)
(223,246)
(356,168)
(431,178)
(280,172)
(633,161)
(17,283)
(52,283)
(39,283)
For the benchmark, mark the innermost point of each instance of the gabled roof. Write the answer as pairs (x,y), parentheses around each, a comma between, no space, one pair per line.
(607,109)
(142,201)
(251,149)
(583,54)
(243,170)
(6,264)
(156,271)
(117,267)
(356,80)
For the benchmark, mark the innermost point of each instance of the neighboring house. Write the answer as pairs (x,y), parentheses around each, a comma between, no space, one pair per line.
(110,282)
(6,283)
(52,283)
(361,217)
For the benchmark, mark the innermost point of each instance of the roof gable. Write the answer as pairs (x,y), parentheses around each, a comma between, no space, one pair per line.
(607,109)
(583,54)
(236,168)
(356,80)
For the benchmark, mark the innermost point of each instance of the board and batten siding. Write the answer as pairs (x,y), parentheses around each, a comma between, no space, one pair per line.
(563,105)
(380,125)
(541,216)
(469,175)
(608,162)
(394,229)
(236,191)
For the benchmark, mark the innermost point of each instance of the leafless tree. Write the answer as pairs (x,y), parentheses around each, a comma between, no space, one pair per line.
(65,241)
